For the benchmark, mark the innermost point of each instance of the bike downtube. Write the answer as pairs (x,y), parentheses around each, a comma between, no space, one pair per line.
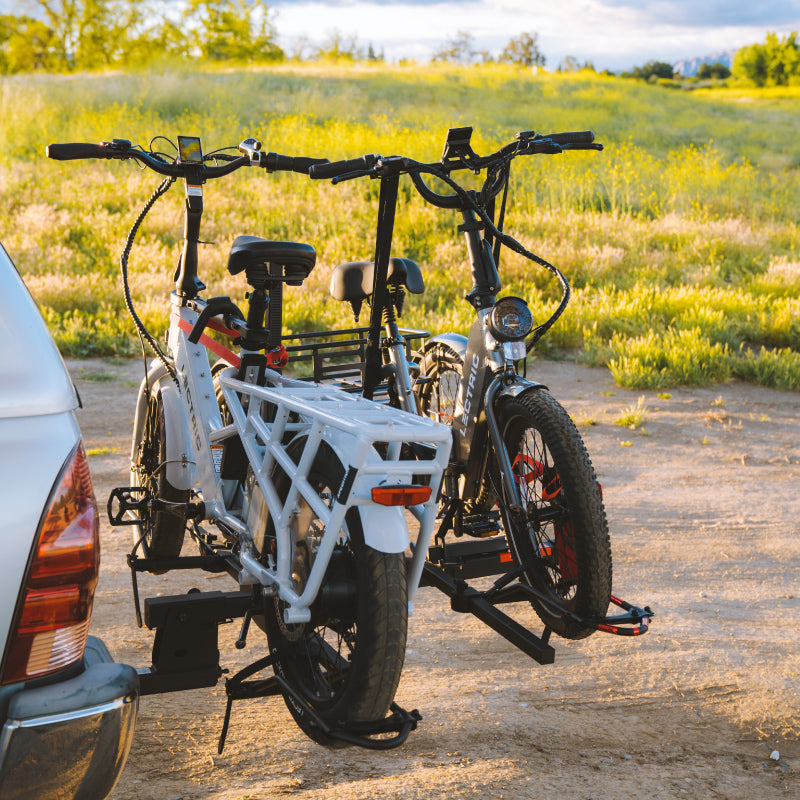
(387,205)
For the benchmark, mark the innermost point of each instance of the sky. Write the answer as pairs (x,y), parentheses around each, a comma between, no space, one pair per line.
(612,34)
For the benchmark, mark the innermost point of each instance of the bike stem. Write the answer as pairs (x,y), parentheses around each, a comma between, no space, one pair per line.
(187,282)
(485,279)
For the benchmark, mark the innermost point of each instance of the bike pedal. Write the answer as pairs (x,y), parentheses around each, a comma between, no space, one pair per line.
(131,500)
(479,526)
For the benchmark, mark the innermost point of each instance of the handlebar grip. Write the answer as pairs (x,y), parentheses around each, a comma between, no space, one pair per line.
(335,168)
(571,137)
(74,150)
(301,164)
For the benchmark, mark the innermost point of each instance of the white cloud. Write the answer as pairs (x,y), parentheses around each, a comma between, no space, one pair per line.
(611,33)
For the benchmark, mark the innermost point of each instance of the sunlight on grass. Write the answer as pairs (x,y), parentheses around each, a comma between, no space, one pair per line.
(680,239)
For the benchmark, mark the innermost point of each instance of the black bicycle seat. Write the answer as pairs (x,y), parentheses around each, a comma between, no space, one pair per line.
(250,252)
(355,280)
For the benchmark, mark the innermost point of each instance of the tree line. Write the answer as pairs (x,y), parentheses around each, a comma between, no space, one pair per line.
(71,35)
(68,35)
(774,62)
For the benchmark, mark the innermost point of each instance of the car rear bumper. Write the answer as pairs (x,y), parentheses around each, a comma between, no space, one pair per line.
(70,739)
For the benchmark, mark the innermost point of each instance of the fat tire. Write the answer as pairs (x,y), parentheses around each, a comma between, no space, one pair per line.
(163,532)
(577,576)
(362,687)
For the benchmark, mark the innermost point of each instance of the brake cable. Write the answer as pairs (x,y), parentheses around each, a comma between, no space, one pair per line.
(511,244)
(144,334)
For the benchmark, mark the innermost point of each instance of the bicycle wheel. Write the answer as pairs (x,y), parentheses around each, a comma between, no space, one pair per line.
(162,531)
(346,662)
(564,549)
(442,367)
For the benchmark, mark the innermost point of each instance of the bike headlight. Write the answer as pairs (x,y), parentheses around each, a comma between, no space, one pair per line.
(510,319)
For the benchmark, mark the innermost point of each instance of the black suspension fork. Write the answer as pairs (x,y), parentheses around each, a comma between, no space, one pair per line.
(485,279)
(511,496)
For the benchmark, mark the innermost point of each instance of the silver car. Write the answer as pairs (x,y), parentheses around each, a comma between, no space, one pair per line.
(67,711)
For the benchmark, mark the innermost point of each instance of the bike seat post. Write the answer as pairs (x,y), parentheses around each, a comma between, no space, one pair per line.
(275,322)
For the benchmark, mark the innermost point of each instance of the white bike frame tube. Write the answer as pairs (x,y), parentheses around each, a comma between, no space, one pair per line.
(199,403)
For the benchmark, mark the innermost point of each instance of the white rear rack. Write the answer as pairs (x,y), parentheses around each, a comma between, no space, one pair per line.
(369,439)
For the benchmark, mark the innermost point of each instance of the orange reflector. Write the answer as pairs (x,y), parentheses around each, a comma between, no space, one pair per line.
(505,557)
(401,495)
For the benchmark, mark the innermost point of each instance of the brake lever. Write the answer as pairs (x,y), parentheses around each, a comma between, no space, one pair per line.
(583,146)
(349,176)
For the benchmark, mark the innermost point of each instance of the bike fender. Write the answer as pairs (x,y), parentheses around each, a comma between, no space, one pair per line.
(385,528)
(519,386)
(455,341)
(181,470)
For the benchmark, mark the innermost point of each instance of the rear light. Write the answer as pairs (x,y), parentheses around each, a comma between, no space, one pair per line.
(52,619)
(401,495)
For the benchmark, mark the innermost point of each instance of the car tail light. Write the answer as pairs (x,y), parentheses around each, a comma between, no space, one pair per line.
(52,618)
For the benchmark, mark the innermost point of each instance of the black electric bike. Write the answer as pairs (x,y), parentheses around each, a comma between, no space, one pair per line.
(519,483)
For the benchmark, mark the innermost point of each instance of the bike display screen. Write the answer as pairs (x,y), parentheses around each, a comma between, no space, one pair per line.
(189,150)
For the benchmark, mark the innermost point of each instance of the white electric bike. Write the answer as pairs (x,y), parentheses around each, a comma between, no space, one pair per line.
(296,489)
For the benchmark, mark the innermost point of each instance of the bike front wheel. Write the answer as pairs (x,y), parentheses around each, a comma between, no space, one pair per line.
(561,540)
(346,662)
(162,530)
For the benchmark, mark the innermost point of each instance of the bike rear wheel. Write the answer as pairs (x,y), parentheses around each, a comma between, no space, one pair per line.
(441,369)
(346,662)
(563,546)
(162,531)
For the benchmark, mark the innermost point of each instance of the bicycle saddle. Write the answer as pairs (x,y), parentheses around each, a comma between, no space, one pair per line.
(355,280)
(251,253)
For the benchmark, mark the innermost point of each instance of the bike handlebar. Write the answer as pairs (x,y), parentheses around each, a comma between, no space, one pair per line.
(458,155)
(123,149)
(335,169)
(571,137)
(302,164)
(75,150)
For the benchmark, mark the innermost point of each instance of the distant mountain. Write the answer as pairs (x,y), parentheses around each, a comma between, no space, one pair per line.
(689,66)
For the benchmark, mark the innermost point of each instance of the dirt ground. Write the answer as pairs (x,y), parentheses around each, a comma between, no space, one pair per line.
(704,513)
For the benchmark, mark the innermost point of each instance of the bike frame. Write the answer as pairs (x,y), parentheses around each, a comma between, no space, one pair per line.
(311,413)
(301,413)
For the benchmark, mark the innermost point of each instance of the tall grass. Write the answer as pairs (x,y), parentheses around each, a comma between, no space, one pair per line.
(680,239)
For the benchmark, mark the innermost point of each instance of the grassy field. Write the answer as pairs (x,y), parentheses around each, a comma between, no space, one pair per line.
(680,239)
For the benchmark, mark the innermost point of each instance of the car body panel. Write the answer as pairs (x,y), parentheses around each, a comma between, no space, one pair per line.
(28,391)
(35,448)
(66,735)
